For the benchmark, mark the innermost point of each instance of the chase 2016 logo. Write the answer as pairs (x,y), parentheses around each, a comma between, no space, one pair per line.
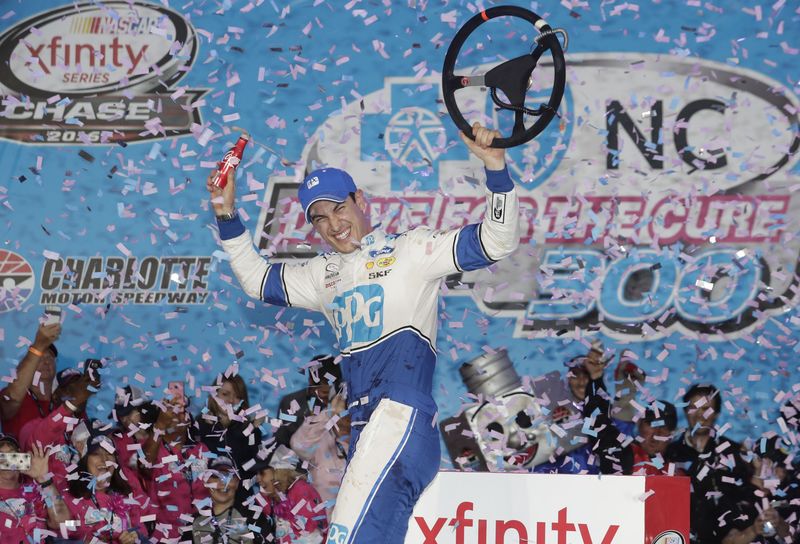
(89,73)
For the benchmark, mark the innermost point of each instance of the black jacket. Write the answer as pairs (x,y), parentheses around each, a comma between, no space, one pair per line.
(716,472)
(232,442)
(283,435)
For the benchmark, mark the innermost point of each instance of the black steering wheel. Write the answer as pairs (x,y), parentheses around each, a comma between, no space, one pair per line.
(512,77)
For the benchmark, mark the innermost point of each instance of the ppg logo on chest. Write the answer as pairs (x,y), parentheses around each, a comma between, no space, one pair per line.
(358,314)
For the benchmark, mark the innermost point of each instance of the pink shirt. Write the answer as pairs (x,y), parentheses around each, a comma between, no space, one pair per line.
(30,409)
(51,431)
(47,430)
(22,514)
(108,515)
(129,466)
(314,443)
(293,522)
(178,489)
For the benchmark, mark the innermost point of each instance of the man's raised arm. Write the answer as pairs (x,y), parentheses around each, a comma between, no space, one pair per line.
(278,284)
(12,396)
(477,245)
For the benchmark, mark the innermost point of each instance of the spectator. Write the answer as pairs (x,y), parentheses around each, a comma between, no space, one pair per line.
(134,415)
(225,428)
(713,463)
(226,520)
(101,501)
(28,510)
(628,379)
(577,379)
(323,441)
(176,462)
(790,414)
(655,431)
(614,449)
(293,503)
(295,406)
(59,427)
(761,510)
(579,460)
(29,395)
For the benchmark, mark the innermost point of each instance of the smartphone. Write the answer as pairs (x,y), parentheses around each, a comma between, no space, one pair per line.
(176,393)
(15,461)
(52,315)
(91,366)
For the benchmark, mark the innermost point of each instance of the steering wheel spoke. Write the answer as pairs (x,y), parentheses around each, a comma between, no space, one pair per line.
(519,124)
(460,82)
(511,77)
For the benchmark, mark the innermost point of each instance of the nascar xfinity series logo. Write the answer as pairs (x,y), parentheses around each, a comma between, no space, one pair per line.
(640,216)
(96,73)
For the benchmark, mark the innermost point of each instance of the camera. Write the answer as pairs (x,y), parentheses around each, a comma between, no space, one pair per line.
(91,366)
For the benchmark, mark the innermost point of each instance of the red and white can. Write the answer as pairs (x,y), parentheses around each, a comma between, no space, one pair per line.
(230,161)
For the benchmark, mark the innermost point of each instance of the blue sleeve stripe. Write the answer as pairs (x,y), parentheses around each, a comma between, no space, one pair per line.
(498,181)
(274,289)
(230,229)
(470,254)
(455,257)
(483,247)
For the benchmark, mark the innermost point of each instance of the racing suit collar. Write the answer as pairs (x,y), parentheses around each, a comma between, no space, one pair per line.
(375,238)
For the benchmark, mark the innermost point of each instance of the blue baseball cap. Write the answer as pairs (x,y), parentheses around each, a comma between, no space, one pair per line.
(330,184)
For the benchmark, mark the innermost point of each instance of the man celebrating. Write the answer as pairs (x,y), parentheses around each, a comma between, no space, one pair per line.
(379,291)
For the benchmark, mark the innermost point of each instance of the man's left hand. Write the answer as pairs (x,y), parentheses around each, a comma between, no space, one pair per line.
(493,158)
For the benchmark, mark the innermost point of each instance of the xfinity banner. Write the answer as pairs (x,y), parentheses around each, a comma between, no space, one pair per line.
(459,508)
(658,208)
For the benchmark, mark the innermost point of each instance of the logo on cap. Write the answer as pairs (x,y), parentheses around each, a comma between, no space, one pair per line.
(313,182)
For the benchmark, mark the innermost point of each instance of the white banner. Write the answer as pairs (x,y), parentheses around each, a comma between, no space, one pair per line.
(504,508)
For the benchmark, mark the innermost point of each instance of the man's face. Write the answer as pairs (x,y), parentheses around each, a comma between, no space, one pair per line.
(133,421)
(320,390)
(341,225)
(47,367)
(654,440)
(700,412)
(578,378)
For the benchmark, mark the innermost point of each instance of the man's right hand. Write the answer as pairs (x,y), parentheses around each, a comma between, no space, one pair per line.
(46,335)
(594,364)
(222,200)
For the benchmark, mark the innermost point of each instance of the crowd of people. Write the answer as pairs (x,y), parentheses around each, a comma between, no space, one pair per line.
(745,492)
(154,472)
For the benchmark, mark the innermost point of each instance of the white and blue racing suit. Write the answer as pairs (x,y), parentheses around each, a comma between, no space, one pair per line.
(382,302)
